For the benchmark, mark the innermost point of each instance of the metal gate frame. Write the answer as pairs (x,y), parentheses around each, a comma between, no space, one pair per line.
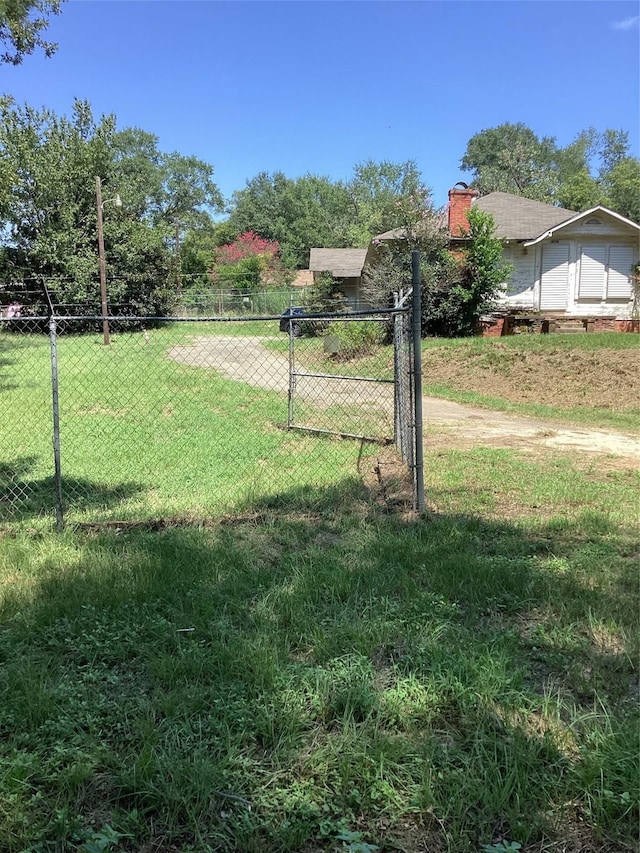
(295,374)
(408,429)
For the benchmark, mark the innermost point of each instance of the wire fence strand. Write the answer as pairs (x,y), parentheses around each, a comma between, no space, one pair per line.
(191,417)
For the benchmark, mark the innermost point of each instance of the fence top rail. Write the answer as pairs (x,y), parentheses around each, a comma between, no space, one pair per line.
(371,313)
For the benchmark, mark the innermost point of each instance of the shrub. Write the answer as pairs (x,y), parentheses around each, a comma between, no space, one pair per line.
(357,337)
(324,295)
(465,288)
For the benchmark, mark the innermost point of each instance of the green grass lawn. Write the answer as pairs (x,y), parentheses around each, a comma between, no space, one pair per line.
(270,684)
(310,671)
(541,343)
(142,435)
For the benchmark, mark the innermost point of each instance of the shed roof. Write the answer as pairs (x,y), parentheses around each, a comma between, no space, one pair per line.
(341,263)
(394,234)
(519,218)
(424,227)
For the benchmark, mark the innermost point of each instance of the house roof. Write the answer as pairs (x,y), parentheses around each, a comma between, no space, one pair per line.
(438,221)
(519,218)
(341,263)
(394,234)
(628,224)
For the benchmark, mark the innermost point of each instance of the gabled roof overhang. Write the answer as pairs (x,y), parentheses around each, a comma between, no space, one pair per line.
(574,219)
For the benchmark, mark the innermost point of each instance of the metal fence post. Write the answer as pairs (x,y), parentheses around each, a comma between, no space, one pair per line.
(292,368)
(56,422)
(417,380)
(401,375)
(397,392)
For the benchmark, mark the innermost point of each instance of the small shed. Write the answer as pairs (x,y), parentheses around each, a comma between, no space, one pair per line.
(345,265)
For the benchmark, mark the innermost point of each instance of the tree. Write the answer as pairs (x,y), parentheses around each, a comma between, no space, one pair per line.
(581,191)
(247,263)
(595,168)
(613,149)
(22,23)
(453,304)
(386,195)
(622,185)
(511,158)
(484,270)
(164,188)
(48,166)
(389,270)
(298,214)
(188,193)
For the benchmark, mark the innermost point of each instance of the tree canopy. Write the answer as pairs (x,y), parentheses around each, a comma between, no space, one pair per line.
(297,213)
(595,168)
(22,23)
(48,215)
(316,211)
(510,158)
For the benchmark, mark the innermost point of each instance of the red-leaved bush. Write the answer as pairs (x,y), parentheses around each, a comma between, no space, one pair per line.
(248,245)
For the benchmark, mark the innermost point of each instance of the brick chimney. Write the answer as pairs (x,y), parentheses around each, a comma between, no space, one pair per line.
(460,198)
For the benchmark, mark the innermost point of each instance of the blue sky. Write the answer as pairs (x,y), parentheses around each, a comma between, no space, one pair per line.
(320,86)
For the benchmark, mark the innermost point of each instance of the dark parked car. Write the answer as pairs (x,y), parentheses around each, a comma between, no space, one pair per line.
(288,319)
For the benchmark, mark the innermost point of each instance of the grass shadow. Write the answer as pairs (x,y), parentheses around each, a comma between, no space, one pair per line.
(24,497)
(317,666)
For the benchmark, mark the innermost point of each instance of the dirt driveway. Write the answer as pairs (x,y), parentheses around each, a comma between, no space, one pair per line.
(466,425)
(246,359)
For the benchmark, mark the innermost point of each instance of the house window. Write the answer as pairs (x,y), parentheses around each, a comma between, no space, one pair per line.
(593,221)
(605,272)
(593,269)
(619,278)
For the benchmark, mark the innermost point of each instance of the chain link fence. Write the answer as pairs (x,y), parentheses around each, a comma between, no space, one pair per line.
(234,302)
(195,418)
(341,378)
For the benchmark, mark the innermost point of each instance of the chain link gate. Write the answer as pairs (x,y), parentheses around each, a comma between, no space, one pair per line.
(195,417)
(340,381)
(339,386)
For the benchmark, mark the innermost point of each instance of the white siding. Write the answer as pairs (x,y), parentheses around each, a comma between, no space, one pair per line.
(518,290)
(619,278)
(554,280)
(593,269)
(554,277)
(524,270)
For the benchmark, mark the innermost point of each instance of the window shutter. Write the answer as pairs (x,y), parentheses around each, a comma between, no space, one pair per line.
(554,282)
(593,264)
(619,277)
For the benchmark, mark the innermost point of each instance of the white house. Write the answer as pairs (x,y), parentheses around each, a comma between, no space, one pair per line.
(565,264)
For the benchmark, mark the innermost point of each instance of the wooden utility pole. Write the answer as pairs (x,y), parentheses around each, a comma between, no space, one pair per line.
(178,261)
(103,266)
